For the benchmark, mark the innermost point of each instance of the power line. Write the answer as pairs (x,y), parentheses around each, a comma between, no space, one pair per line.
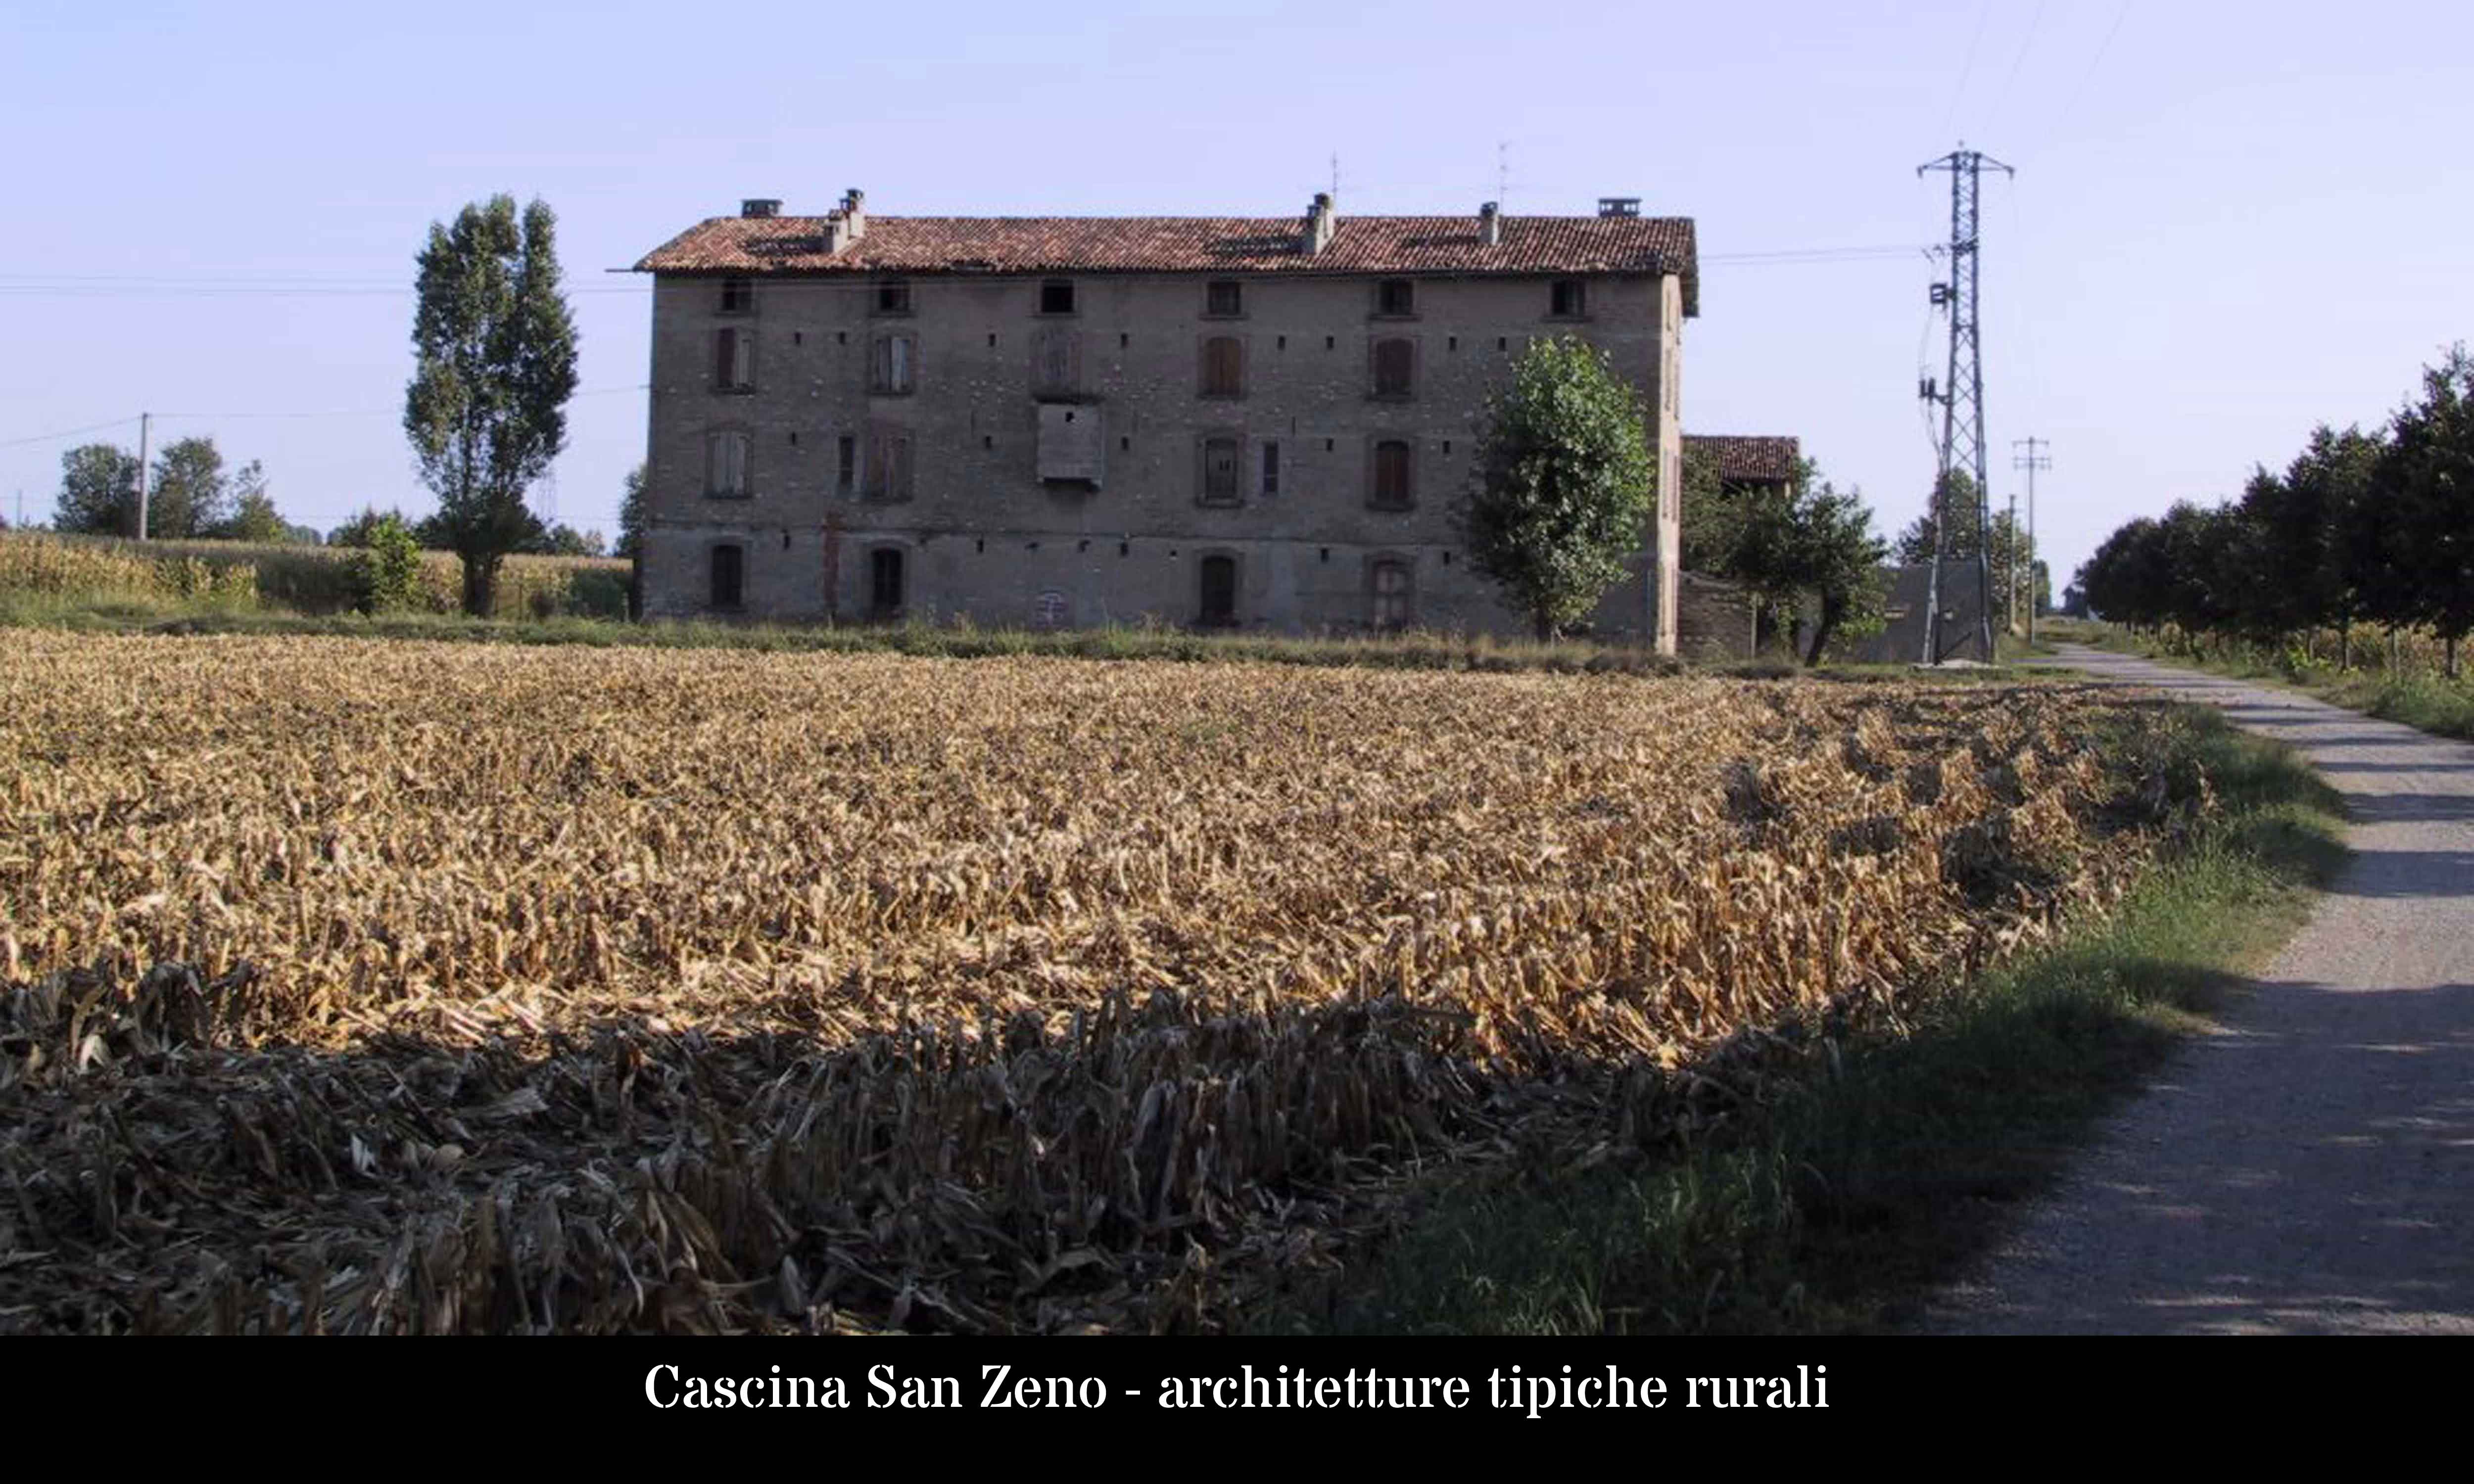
(45,437)
(2027,44)
(1966,68)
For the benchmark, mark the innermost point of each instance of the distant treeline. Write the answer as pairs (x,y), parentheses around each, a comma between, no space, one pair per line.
(2362,528)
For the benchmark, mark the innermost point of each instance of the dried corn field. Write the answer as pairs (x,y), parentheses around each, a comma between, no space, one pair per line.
(358,985)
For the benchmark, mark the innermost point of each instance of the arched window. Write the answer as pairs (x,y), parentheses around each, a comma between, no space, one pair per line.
(729,576)
(1394,466)
(1396,367)
(1218,579)
(1388,593)
(1223,365)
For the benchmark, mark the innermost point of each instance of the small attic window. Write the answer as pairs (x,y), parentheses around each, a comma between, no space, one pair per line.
(1056,296)
(737,296)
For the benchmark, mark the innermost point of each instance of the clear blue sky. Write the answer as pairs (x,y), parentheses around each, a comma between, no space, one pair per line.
(2230,221)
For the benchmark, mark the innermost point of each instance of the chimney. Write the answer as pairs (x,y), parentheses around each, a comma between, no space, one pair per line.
(760,206)
(1618,205)
(848,223)
(1489,225)
(1318,225)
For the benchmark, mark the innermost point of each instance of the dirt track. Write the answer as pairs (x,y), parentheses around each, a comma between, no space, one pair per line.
(2310,1168)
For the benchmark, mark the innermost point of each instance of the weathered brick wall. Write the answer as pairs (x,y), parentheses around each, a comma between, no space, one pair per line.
(1713,621)
(984,537)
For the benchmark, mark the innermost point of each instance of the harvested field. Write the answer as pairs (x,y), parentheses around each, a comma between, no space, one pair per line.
(356,985)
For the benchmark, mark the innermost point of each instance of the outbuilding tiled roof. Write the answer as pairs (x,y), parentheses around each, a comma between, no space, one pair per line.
(1750,461)
(1217,244)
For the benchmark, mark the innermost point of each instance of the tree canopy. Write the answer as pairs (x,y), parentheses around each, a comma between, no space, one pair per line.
(1563,493)
(494,346)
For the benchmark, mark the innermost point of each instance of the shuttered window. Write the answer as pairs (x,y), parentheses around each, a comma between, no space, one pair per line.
(1224,298)
(1223,365)
(1568,299)
(1270,468)
(896,359)
(725,463)
(1220,471)
(1395,297)
(1396,367)
(1388,594)
(734,359)
(888,463)
(737,296)
(885,581)
(1055,362)
(1394,465)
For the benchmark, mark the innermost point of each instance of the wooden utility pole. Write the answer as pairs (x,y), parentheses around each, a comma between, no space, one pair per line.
(145,426)
(2010,579)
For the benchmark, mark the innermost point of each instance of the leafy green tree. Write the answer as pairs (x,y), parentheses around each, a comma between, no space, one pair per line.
(97,492)
(566,540)
(494,351)
(192,495)
(356,531)
(254,519)
(2429,480)
(1563,496)
(1956,500)
(1806,537)
(631,515)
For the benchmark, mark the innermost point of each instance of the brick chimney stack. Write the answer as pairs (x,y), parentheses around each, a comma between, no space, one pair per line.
(1489,225)
(1319,224)
(848,223)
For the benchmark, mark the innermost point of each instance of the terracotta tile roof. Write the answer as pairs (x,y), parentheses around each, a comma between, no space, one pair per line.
(1230,245)
(1746,460)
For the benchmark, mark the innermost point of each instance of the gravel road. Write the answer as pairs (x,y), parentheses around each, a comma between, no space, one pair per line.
(2308,1168)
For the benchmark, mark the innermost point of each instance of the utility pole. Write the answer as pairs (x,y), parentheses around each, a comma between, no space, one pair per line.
(2010,559)
(2034,459)
(1961,397)
(145,426)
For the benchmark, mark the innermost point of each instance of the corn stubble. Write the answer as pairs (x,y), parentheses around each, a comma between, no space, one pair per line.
(358,987)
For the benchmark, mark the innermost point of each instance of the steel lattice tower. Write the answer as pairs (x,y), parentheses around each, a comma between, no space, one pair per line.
(1962,398)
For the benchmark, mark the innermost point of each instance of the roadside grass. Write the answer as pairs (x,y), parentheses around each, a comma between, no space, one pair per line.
(2425,700)
(1879,1167)
(140,612)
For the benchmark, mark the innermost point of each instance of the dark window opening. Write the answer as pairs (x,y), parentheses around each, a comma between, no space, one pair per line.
(1270,468)
(1392,463)
(893,296)
(1224,367)
(729,574)
(737,296)
(845,461)
(1568,299)
(1224,298)
(1220,471)
(885,581)
(1395,297)
(1056,296)
(1396,367)
(1218,579)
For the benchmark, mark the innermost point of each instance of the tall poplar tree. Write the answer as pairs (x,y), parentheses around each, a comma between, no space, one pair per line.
(495,351)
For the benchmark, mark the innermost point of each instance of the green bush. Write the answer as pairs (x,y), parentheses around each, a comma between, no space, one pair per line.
(385,572)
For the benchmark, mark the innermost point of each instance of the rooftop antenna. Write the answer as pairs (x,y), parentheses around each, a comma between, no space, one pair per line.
(1335,177)
(1503,170)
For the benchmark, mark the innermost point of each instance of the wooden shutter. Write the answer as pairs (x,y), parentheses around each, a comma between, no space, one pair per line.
(1392,473)
(1395,362)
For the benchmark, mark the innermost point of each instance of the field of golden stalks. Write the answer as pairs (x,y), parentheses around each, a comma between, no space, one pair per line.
(306,578)
(359,986)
